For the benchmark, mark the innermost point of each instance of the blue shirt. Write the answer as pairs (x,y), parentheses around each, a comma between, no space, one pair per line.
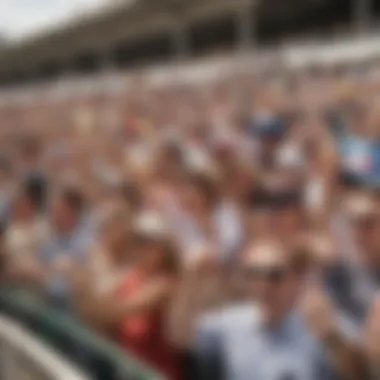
(76,245)
(360,158)
(237,341)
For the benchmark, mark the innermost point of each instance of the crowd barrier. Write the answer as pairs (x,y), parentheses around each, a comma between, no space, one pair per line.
(96,356)
(23,356)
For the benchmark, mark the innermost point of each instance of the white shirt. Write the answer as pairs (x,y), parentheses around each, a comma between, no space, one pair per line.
(23,241)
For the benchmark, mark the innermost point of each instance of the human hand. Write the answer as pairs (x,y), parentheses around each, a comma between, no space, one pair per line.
(372,333)
(201,261)
(322,247)
(63,264)
(318,312)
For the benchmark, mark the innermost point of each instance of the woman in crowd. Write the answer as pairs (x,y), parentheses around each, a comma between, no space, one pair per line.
(135,310)
(109,258)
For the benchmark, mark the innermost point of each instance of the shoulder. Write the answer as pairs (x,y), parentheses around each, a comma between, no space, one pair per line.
(349,328)
(213,330)
(83,238)
(48,246)
(229,319)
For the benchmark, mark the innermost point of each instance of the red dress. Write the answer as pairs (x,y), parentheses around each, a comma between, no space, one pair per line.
(144,335)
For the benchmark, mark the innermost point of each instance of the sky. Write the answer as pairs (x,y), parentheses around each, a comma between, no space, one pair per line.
(19,18)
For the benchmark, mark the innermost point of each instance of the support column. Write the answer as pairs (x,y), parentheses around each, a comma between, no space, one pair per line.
(361,11)
(181,41)
(180,30)
(246,27)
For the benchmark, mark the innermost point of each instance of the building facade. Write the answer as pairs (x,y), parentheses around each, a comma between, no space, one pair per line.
(141,32)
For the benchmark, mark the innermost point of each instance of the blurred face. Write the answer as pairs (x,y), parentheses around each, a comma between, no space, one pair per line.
(63,217)
(367,235)
(260,222)
(29,157)
(22,209)
(359,122)
(192,199)
(272,280)
(287,221)
(149,254)
(169,163)
(237,181)
(5,178)
(115,234)
(364,219)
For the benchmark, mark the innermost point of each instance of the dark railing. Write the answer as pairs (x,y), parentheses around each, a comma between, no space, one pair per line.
(100,358)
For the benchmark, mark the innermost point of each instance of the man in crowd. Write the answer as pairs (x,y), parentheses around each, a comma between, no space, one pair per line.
(69,242)
(290,331)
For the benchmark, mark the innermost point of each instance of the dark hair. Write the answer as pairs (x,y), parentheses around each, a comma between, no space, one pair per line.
(349,181)
(287,198)
(301,260)
(171,263)
(35,189)
(258,198)
(173,151)
(261,198)
(131,194)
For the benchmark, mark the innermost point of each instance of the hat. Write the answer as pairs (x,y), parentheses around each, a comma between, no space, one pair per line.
(267,126)
(199,161)
(359,206)
(150,225)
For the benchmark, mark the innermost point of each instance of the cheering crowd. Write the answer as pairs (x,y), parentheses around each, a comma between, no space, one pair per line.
(227,229)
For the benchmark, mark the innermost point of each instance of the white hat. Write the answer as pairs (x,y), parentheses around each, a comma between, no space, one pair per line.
(151,225)
(359,206)
(200,162)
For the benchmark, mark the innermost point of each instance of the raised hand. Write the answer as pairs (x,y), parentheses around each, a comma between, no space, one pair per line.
(319,312)
(372,333)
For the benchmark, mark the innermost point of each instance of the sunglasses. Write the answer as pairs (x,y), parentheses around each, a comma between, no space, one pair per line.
(273,275)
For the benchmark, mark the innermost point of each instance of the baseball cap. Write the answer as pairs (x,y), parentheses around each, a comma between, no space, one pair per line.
(267,126)
(151,226)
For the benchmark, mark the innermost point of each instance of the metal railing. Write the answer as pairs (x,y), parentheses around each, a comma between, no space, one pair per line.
(100,358)
(23,355)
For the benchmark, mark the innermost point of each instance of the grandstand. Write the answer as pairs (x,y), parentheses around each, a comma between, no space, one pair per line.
(134,33)
(79,79)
